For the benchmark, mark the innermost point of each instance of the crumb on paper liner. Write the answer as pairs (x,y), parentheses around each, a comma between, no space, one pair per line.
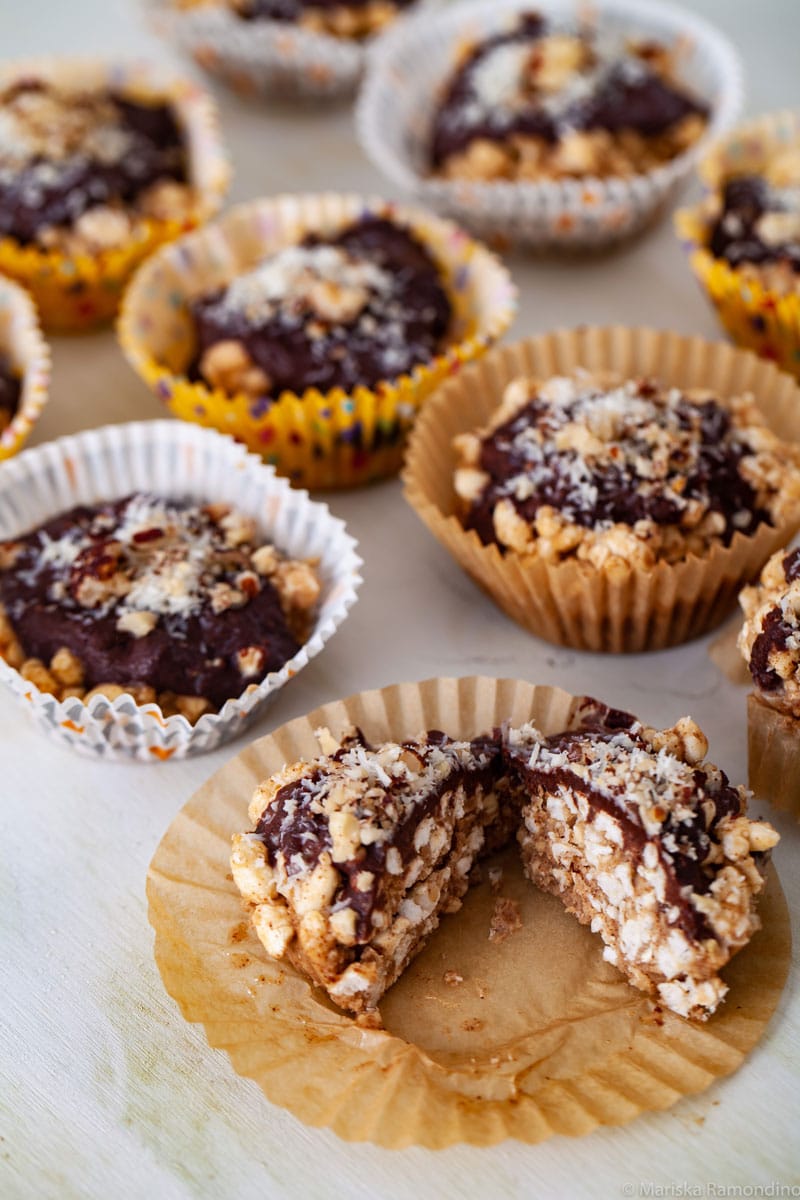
(318,440)
(561,1047)
(570,603)
(753,315)
(21,339)
(76,293)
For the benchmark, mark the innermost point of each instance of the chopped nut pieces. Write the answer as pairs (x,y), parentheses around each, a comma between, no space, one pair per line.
(162,600)
(770,636)
(533,103)
(348,309)
(357,853)
(754,223)
(622,473)
(82,170)
(355,20)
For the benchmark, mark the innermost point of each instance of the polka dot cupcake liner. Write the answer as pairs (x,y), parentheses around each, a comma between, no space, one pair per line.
(171,459)
(411,63)
(318,440)
(22,344)
(78,292)
(753,314)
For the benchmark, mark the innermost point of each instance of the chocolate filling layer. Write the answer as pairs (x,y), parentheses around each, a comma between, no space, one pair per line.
(402,324)
(626,94)
(192,653)
(142,144)
(10,390)
(735,235)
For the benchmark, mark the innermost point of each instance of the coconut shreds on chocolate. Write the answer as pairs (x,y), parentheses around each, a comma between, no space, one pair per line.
(618,471)
(357,853)
(174,601)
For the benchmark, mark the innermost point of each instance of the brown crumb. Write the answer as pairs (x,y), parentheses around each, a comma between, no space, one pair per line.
(495,879)
(472,1025)
(452,978)
(239,932)
(371,1019)
(506,919)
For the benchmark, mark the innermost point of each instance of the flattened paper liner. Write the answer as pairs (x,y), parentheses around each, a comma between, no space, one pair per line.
(571,603)
(22,342)
(752,314)
(411,62)
(76,293)
(330,439)
(171,459)
(773,755)
(541,1037)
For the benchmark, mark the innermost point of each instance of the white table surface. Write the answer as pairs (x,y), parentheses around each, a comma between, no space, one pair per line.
(104,1090)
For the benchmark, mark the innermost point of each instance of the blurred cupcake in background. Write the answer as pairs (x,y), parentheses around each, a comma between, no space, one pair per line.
(744,237)
(99,164)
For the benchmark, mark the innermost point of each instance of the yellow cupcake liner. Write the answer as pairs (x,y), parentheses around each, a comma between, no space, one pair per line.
(22,342)
(77,292)
(754,316)
(318,440)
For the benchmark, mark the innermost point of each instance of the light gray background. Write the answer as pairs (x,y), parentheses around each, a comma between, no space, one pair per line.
(105,1091)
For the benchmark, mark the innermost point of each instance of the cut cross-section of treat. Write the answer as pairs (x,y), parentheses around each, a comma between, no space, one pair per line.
(358,853)
(649,845)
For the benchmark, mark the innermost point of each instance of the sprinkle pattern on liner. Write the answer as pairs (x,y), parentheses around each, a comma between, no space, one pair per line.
(356,854)
(538,101)
(172,601)
(770,636)
(607,469)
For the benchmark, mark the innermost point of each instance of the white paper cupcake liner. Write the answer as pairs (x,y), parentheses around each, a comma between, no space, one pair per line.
(22,342)
(409,65)
(263,58)
(182,461)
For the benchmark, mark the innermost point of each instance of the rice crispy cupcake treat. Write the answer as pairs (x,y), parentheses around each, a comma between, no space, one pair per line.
(99,164)
(24,367)
(607,509)
(357,854)
(158,585)
(769,642)
(312,328)
(547,125)
(744,238)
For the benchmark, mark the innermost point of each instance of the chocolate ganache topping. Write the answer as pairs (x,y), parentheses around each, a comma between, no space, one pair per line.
(504,87)
(365,305)
(149,591)
(622,455)
(759,222)
(293,10)
(65,152)
(10,391)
